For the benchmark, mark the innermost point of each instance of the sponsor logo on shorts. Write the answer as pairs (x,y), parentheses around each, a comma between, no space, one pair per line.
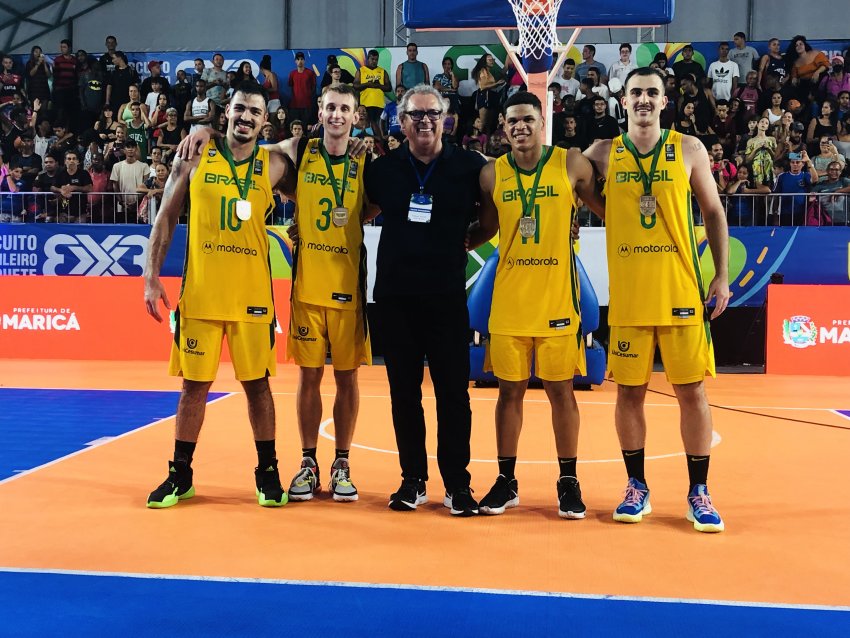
(231,249)
(521,262)
(327,248)
(622,350)
(192,348)
(301,334)
(625,250)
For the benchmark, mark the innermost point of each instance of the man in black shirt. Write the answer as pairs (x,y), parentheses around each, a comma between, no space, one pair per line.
(28,159)
(71,186)
(427,193)
(601,126)
(687,65)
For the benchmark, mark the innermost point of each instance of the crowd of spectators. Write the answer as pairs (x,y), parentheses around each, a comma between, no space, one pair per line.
(777,126)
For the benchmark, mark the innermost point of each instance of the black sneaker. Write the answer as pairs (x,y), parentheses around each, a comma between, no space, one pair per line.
(461,502)
(270,492)
(569,498)
(409,496)
(177,487)
(502,495)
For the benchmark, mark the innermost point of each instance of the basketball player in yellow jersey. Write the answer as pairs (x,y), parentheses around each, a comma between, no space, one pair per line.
(226,287)
(328,300)
(656,286)
(527,195)
(373,81)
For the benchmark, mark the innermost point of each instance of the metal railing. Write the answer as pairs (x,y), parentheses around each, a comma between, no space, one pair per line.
(770,209)
(810,209)
(83,208)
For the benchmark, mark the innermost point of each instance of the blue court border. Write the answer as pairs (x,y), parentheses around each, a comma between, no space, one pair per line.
(38,603)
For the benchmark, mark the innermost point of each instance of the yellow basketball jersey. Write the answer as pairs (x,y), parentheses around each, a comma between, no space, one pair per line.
(372,97)
(653,263)
(227,275)
(329,259)
(536,291)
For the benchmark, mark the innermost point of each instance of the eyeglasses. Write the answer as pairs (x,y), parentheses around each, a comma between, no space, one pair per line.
(431,114)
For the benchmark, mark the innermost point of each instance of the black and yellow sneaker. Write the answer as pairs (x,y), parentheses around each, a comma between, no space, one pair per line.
(270,492)
(177,487)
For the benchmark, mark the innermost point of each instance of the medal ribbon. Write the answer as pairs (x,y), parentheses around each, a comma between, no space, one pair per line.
(656,153)
(339,192)
(528,203)
(245,187)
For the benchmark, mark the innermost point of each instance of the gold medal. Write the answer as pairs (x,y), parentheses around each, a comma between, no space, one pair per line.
(527,226)
(340,216)
(648,205)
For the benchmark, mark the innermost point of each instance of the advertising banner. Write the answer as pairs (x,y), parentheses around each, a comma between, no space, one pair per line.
(104,250)
(94,318)
(808,330)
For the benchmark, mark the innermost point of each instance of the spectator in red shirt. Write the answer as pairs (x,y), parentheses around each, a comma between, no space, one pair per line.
(65,82)
(302,83)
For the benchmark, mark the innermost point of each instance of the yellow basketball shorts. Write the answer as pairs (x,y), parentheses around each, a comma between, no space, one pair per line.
(312,329)
(196,349)
(686,351)
(556,358)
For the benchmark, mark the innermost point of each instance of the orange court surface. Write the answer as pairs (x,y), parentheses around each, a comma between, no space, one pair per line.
(778,476)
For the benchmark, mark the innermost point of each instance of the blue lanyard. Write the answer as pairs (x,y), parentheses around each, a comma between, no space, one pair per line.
(419,178)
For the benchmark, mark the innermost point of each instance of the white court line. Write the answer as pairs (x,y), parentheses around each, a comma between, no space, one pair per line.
(843,416)
(432,588)
(98,443)
(323,431)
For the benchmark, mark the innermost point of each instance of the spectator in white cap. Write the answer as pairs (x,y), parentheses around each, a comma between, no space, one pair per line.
(615,105)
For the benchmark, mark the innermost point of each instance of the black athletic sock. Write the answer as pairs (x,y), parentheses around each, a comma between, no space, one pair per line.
(265,453)
(567,466)
(341,454)
(309,453)
(698,469)
(507,466)
(634,464)
(183,451)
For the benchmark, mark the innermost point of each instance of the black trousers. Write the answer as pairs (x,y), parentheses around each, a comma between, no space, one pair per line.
(436,327)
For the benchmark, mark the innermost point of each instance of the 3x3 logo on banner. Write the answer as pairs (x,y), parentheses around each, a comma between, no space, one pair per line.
(86,255)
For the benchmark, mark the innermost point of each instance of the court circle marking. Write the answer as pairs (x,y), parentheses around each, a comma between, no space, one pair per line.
(323,431)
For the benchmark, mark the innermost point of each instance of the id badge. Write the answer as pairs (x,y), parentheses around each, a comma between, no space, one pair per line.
(243,209)
(420,208)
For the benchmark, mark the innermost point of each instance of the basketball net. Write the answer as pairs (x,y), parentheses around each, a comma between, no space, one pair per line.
(537,23)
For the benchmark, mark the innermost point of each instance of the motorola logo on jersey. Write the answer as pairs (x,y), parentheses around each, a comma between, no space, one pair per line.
(208,247)
(530,261)
(230,248)
(624,250)
(327,248)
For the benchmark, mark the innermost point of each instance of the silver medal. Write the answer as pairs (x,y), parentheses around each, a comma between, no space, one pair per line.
(648,205)
(527,226)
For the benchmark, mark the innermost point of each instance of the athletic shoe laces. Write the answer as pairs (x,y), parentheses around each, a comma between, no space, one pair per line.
(633,495)
(701,503)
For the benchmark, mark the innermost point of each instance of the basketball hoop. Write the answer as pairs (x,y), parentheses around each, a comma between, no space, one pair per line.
(537,22)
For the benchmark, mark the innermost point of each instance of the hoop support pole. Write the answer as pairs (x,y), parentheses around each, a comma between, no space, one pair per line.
(512,55)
